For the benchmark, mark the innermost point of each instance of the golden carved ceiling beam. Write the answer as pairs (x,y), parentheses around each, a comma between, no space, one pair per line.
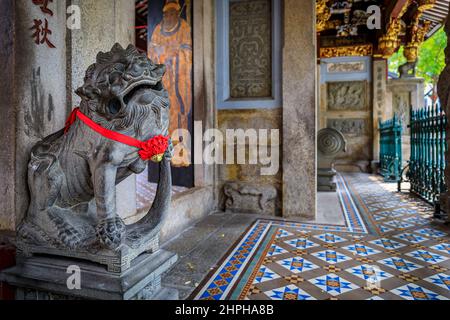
(389,42)
(417,32)
(357,50)
(323,15)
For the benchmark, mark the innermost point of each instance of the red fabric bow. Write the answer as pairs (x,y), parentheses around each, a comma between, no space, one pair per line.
(152,149)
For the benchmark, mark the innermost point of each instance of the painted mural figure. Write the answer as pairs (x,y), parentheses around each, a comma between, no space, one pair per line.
(171,44)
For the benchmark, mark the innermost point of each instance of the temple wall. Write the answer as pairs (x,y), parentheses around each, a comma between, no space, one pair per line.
(267,119)
(346,105)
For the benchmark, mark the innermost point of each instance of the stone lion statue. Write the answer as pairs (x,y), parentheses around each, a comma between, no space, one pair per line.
(73,173)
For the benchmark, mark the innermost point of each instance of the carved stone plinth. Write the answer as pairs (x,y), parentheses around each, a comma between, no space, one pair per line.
(242,197)
(326,180)
(45,278)
(330,143)
(117,261)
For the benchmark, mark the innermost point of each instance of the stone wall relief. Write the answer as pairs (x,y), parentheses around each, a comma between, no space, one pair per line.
(348,126)
(401,107)
(347,96)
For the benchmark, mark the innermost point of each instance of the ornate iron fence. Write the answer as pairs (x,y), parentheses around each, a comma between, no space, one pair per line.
(391,149)
(428,147)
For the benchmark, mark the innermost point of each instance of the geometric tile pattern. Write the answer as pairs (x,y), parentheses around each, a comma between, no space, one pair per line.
(390,249)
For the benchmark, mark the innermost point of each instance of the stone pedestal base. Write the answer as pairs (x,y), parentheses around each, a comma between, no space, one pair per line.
(46,278)
(326,180)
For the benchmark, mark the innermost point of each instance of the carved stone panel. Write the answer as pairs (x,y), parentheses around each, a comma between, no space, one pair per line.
(250,37)
(348,126)
(346,67)
(401,106)
(347,95)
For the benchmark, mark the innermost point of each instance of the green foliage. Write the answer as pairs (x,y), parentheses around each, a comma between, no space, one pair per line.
(431,58)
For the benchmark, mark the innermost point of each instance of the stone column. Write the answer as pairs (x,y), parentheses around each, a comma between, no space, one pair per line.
(32,94)
(103,23)
(379,106)
(299,110)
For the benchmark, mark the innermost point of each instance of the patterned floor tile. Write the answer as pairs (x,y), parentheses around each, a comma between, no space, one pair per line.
(400,264)
(369,272)
(333,284)
(442,280)
(371,257)
(283,234)
(290,292)
(276,250)
(410,237)
(265,274)
(442,247)
(331,256)
(415,292)
(431,233)
(387,243)
(361,250)
(426,256)
(301,243)
(330,238)
(297,265)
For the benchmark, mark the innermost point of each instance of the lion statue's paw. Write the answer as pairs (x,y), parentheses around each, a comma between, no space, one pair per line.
(110,232)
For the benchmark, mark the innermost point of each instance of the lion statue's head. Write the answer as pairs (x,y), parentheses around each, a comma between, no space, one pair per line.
(123,91)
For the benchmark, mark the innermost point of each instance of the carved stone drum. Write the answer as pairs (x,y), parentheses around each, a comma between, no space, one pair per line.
(330,143)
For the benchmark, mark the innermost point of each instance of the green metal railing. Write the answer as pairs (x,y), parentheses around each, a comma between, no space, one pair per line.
(428,147)
(391,149)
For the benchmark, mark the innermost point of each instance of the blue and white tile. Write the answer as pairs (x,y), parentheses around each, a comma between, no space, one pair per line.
(275,250)
(442,247)
(415,292)
(426,256)
(333,284)
(297,265)
(388,243)
(378,217)
(397,224)
(418,221)
(369,272)
(331,256)
(290,292)
(330,238)
(385,229)
(442,280)
(410,237)
(301,243)
(283,234)
(361,250)
(431,233)
(400,264)
(265,274)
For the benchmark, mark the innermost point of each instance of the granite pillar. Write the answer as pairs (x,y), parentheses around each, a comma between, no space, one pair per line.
(299,110)
(379,106)
(32,94)
(103,23)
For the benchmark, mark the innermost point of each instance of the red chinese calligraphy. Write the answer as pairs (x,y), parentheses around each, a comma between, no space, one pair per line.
(41,33)
(43,4)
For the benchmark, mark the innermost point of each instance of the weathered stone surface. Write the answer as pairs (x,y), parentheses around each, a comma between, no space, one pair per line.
(242,197)
(330,143)
(347,95)
(299,105)
(46,278)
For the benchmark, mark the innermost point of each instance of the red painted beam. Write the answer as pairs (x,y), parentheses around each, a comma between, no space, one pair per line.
(398,8)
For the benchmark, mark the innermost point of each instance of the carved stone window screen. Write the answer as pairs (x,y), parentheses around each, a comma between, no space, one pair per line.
(234,91)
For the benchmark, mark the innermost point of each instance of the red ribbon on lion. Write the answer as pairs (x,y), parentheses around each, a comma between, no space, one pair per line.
(152,149)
